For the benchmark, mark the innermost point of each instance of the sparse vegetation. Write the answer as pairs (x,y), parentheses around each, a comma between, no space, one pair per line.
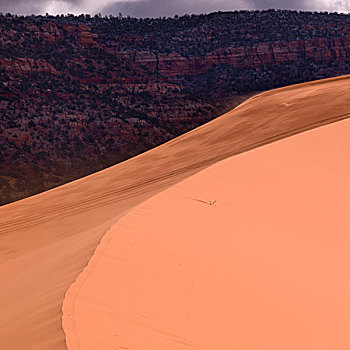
(80,93)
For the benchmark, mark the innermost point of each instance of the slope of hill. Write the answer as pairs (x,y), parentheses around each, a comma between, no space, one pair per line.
(49,238)
(264,267)
(78,94)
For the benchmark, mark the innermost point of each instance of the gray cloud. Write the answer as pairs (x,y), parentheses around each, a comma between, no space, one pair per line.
(21,6)
(156,8)
(42,6)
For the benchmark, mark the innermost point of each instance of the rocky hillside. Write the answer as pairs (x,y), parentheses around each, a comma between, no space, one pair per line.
(79,93)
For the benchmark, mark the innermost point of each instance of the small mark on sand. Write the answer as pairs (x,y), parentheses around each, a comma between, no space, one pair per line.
(205,202)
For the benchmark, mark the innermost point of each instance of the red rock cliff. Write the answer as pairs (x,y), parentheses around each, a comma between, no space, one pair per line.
(319,49)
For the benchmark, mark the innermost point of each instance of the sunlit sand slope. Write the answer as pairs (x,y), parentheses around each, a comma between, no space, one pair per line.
(46,240)
(264,267)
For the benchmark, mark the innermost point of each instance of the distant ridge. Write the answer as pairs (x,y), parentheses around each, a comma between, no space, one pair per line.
(81,93)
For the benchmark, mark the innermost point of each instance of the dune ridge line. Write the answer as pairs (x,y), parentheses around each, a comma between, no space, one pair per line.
(49,238)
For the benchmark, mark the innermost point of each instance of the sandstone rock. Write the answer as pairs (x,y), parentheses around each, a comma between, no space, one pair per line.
(85,37)
(70,28)
(50,32)
(27,65)
(317,49)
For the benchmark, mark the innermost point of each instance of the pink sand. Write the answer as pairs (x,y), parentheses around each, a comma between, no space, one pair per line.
(265,267)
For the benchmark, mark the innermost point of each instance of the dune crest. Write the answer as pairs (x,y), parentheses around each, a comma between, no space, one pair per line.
(47,240)
(249,253)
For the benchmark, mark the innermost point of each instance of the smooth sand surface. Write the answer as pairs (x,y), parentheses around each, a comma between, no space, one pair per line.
(47,240)
(265,267)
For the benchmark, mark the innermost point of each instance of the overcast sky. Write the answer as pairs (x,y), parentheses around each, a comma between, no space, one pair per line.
(155,8)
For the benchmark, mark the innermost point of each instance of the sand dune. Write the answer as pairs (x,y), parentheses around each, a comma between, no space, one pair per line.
(265,267)
(46,240)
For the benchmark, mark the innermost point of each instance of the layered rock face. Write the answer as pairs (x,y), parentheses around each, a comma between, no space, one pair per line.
(51,32)
(280,52)
(85,36)
(174,64)
(27,66)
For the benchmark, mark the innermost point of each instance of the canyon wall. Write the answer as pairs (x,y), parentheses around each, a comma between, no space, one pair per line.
(317,49)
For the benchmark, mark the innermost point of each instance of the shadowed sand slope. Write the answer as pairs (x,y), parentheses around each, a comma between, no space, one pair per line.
(265,267)
(46,240)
